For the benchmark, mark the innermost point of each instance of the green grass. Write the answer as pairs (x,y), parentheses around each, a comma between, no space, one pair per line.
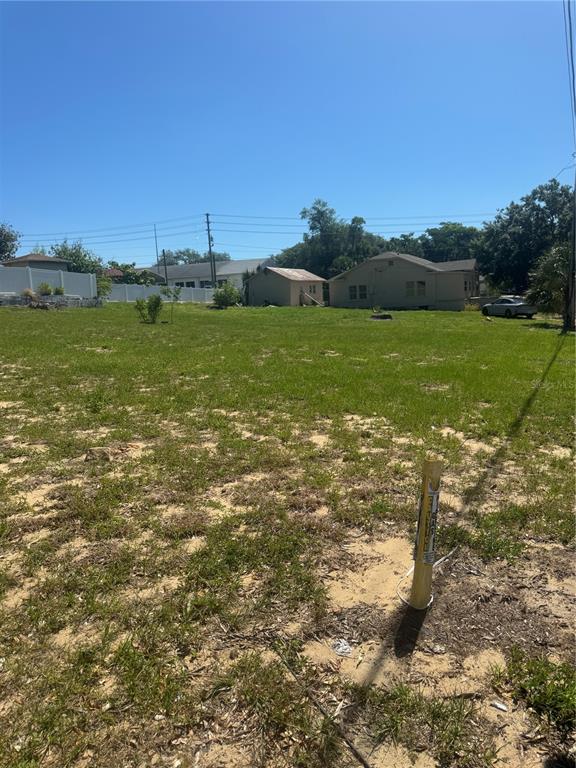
(448,728)
(201,480)
(547,687)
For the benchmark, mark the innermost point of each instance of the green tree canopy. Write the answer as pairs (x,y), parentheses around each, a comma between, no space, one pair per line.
(450,241)
(520,234)
(9,240)
(191,256)
(79,258)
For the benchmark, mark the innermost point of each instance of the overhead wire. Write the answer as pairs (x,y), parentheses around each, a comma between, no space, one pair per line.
(569,41)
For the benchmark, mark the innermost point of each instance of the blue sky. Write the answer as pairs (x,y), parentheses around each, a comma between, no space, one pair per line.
(121,114)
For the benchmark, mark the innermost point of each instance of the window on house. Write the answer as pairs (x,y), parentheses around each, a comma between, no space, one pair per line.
(362,291)
(190,284)
(410,288)
(311,289)
(352,292)
(421,288)
(205,284)
(179,285)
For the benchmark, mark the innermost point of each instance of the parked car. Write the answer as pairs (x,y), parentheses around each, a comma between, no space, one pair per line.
(509,306)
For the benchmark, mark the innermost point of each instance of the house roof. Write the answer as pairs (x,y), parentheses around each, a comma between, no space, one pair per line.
(113,272)
(32,258)
(202,269)
(295,274)
(456,266)
(431,266)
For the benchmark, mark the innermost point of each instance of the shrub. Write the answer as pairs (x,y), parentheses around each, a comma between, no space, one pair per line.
(58,291)
(149,309)
(44,289)
(226,296)
(103,286)
(29,294)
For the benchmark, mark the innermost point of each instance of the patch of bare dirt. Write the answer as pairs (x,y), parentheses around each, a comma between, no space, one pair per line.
(471,445)
(374,580)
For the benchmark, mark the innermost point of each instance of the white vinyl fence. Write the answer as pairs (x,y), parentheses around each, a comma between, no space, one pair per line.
(121,292)
(16,279)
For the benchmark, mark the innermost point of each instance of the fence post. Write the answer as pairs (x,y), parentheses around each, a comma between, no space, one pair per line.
(125,291)
(29,276)
(61,276)
(424,547)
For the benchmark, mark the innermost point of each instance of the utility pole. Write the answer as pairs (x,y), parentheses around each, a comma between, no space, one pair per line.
(570,308)
(156,242)
(212,262)
(165,267)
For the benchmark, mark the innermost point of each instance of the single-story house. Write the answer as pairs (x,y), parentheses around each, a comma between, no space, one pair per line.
(284,287)
(38,261)
(402,281)
(199,275)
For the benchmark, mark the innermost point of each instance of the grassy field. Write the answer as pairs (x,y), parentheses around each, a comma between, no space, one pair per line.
(192,514)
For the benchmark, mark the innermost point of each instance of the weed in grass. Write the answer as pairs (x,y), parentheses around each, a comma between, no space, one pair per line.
(285,719)
(151,680)
(448,728)
(184,525)
(547,687)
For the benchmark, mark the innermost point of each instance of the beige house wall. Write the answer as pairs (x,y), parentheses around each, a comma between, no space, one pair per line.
(269,287)
(386,286)
(312,287)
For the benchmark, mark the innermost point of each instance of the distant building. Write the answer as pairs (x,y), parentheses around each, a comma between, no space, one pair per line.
(38,261)
(402,281)
(284,287)
(199,275)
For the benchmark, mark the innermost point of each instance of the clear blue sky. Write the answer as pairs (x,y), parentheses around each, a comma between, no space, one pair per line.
(119,114)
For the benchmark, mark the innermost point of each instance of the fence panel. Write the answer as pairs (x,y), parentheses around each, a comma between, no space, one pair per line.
(122,292)
(16,279)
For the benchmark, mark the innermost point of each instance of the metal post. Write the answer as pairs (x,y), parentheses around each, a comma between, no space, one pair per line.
(570,301)
(165,267)
(424,547)
(212,261)
(156,243)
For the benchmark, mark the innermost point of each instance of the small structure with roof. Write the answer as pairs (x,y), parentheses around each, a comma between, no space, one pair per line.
(284,287)
(38,261)
(402,281)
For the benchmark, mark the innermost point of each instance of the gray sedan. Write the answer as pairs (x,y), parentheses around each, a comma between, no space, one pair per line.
(509,306)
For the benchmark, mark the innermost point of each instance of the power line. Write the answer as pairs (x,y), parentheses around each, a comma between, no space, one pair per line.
(111,229)
(569,41)
(33,243)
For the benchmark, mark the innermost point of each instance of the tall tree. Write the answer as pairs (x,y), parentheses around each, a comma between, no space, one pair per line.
(9,240)
(79,258)
(450,241)
(520,234)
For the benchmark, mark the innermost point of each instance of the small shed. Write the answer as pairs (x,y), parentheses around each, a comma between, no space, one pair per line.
(284,287)
(38,261)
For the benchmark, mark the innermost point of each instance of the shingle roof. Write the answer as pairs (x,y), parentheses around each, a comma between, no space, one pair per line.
(456,266)
(296,274)
(202,269)
(35,257)
(431,266)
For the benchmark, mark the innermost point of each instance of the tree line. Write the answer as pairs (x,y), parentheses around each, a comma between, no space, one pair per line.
(508,249)
(526,239)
